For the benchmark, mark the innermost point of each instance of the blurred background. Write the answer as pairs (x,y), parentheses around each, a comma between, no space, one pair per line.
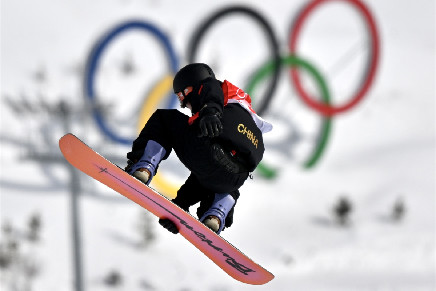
(343,200)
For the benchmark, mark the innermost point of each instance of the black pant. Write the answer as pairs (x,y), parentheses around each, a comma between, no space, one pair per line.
(170,128)
(193,192)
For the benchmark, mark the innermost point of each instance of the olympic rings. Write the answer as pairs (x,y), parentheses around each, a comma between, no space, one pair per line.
(157,94)
(325,109)
(293,62)
(93,61)
(266,27)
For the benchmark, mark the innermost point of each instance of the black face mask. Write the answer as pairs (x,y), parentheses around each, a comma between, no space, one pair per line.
(194,94)
(187,97)
(185,100)
(182,99)
(197,95)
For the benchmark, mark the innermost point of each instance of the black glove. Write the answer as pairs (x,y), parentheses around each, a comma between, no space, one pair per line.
(169,225)
(210,124)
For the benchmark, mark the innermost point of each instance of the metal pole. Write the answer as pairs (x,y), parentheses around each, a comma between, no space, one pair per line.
(75,214)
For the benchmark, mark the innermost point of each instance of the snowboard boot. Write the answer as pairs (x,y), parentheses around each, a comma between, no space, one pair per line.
(215,217)
(146,167)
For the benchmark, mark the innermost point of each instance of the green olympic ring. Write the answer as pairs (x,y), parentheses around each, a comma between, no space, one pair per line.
(295,61)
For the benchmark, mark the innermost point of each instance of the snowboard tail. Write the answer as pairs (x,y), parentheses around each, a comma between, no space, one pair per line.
(221,252)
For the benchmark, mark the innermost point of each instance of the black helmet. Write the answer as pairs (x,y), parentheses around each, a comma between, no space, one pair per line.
(191,75)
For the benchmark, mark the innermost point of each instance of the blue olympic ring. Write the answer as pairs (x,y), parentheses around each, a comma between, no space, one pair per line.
(93,61)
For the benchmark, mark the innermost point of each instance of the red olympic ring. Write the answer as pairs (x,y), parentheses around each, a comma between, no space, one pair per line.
(324,109)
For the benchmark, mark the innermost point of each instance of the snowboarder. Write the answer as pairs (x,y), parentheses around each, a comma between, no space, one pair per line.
(221,144)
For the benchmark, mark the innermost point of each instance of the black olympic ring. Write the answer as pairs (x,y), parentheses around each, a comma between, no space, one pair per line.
(272,41)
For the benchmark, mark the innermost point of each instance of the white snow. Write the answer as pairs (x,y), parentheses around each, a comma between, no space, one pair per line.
(380,151)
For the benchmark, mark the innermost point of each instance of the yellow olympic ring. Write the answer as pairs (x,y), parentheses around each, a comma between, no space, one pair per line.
(151,102)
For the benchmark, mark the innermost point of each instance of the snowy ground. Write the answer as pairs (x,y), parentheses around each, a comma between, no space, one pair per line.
(380,151)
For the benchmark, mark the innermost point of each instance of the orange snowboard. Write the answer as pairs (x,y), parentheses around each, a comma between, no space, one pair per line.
(226,256)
